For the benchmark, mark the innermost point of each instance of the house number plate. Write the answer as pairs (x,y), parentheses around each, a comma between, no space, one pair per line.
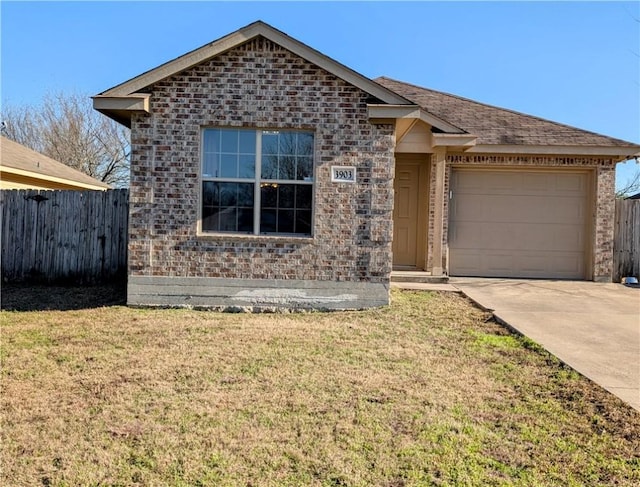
(343,174)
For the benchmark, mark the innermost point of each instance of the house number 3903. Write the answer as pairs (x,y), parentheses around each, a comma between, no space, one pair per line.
(343,174)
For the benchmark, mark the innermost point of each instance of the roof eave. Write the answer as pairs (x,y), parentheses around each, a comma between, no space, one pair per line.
(381,113)
(120,108)
(46,177)
(454,142)
(620,153)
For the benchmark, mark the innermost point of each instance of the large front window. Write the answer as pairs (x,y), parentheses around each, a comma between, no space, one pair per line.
(257,181)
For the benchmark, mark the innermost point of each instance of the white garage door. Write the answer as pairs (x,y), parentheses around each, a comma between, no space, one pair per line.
(514,223)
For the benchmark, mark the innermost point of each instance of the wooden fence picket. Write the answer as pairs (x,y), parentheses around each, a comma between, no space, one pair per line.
(77,236)
(626,244)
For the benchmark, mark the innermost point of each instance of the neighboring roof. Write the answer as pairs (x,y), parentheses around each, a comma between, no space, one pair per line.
(494,125)
(633,197)
(22,161)
(112,103)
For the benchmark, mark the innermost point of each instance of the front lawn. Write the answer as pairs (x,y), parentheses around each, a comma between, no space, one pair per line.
(425,392)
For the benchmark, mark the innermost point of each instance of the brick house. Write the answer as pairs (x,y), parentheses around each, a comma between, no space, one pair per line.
(265,174)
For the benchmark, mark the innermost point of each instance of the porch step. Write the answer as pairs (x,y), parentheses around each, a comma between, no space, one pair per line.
(418,276)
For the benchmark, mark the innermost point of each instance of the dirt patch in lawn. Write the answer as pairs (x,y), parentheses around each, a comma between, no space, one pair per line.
(428,391)
(39,297)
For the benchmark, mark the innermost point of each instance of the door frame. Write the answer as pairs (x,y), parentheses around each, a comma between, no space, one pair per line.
(423,161)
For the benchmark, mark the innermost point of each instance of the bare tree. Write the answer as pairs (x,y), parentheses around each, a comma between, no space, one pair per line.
(66,128)
(631,186)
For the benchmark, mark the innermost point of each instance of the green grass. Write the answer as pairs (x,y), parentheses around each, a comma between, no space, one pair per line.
(425,392)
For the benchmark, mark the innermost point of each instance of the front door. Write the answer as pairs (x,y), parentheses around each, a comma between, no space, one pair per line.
(405,214)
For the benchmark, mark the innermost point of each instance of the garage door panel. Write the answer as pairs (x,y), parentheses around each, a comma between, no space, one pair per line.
(535,182)
(507,236)
(531,237)
(518,224)
(470,263)
(499,263)
(504,185)
(527,265)
(568,183)
(533,264)
(463,209)
(570,211)
(500,208)
(463,235)
(548,238)
(568,264)
(529,209)
(568,238)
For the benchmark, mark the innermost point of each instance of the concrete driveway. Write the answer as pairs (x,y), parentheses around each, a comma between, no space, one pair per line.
(593,327)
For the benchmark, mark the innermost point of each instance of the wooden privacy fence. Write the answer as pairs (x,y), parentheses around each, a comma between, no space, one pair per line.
(74,236)
(626,243)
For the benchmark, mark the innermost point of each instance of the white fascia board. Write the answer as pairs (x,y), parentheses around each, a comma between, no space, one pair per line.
(464,141)
(137,102)
(393,111)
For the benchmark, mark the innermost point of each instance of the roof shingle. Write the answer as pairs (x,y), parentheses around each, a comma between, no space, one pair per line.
(494,125)
(20,157)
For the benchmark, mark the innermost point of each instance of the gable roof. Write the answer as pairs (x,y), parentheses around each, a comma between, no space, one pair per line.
(499,126)
(20,161)
(113,102)
(493,128)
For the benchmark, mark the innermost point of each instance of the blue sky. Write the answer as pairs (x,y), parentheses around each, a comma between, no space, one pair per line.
(573,62)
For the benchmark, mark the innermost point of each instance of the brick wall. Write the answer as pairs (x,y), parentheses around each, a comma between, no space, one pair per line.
(260,85)
(604,175)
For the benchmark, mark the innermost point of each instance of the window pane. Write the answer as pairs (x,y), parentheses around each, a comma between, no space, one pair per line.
(285,221)
(210,194)
(247,142)
(288,143)
(211,140)
(279,214)
(210,166)
(228,219)
(245,220)
(227,207)
(228,166)
(245,195)
(269,143)
(247,166)
(268,221)
(269,167)
(209,219)
(228,194)
(287,167)
(229,140)
(303,196)
(304,169)
(286,196)
(305,144)
(303,221)
(269,196)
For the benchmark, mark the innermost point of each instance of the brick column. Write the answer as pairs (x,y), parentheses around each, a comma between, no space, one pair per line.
(438,161)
